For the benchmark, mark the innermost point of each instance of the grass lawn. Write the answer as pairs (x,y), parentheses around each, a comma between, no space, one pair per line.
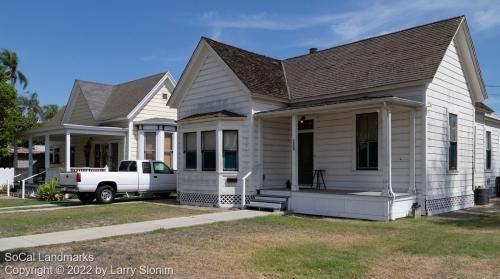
(5,202)
(305,247)
(23,223)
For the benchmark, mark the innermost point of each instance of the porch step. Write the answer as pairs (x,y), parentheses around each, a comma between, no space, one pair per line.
(265,205)
(263,198)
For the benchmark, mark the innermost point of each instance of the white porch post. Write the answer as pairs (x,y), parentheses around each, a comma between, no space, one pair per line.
(412,187)
(387,147)
(67,153)
(47,157)
(125,148)
(174,150)
(140,146)
(30,158)
(160,145)
(260,172)
(295,174)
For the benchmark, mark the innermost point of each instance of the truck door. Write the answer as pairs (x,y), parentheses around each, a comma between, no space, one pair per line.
(145,176)
(164,178)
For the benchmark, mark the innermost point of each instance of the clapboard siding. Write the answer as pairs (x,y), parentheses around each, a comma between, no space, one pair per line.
(448,93)
(484,177)
(277,154)
(214,89)
(81,113)
(157,107)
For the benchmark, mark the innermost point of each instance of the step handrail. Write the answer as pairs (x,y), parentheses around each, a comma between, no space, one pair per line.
(243,190)
(23,182)
(8,183)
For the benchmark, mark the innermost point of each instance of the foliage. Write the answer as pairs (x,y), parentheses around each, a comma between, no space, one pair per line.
(49,192)
(48,111)
(3,189)
(10,117)
(10,62)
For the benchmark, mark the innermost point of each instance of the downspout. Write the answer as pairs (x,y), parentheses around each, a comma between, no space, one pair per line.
(388,120)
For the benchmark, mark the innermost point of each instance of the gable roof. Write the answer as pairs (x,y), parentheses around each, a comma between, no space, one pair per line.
(404,57)
(483,107)
(107,102)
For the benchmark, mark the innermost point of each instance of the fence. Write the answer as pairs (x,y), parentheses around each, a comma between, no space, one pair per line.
(6,175)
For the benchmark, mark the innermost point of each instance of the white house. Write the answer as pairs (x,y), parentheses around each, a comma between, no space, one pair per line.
(388,121)
(103,124)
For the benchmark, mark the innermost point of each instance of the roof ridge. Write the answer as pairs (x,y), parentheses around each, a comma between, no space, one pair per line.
(375,37)
(145,77)
(286,80)
(242,49)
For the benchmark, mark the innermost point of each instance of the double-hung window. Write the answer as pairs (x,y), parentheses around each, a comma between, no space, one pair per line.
(367,141)
(190,150)
(208,151)
(149,145)
(488,150)
(453,145)
(230,149)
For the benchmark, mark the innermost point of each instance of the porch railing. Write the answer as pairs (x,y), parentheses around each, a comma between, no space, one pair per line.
(87,169)
(23,182)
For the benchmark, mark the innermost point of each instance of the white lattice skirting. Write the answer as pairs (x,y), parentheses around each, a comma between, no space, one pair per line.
(437,206)
(205,199)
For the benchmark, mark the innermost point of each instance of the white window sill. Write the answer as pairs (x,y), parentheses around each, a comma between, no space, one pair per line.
(452,172)
(488,171)
(367,172)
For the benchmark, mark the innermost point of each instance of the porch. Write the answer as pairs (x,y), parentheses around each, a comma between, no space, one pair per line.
(70,147)
(370,172)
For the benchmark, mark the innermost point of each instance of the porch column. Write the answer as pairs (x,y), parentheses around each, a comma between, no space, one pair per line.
(412,163)
(140,146)
(260,172)
(47,156)
(160,145)
(30,158)
(295,174)
(67,153)
(174,150)
(387,148)
(125,148)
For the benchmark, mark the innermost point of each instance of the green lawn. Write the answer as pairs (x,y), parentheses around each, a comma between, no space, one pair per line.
(306,247)
(4,202)
(22,223)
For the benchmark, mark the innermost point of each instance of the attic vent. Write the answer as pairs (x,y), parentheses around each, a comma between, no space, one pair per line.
(313,50)
(165,96)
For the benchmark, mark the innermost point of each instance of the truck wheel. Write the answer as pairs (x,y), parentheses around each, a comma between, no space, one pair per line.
(105,194)
(86,198)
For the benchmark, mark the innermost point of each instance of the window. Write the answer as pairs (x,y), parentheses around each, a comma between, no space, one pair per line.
(132,167)
(488,150)
(452,150)
(208,151)
(149,146)
(55,156)
(160,167)
(190,150)
(128,166)
(146,167)
(230,149)
(367,141)
(167,150)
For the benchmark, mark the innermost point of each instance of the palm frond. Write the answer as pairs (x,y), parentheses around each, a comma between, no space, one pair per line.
(22,79)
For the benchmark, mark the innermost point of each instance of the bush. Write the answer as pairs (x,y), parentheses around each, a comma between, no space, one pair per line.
(48,191)
(3,189)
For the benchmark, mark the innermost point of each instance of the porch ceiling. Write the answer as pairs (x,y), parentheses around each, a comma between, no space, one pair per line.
(76,129)
(327,106)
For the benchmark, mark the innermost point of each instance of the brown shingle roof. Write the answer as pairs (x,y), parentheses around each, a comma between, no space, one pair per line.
(405,56)
(484,107)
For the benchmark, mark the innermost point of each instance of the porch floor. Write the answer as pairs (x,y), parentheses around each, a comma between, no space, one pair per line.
(287,192)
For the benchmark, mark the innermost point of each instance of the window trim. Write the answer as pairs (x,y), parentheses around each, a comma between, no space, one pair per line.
(237,150)
(450,169)
(355,167)
(203,151)
(488,163)
(184,139)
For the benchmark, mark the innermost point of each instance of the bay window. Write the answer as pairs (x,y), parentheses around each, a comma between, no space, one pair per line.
(208,155)
(150,146)
(230,149)
(190,150)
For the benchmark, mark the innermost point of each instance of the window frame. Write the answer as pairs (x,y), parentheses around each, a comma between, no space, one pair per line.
(195,151)
(452,162)
(237,150)
(155,145)
(356,143)
(488,151)
(203,151)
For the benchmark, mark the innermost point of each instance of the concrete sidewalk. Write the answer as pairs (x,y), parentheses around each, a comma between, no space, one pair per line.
(124,229)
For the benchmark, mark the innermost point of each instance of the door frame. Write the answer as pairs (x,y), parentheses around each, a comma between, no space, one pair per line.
(313,131)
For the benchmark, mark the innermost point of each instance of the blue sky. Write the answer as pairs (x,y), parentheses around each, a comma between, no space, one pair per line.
(117,41)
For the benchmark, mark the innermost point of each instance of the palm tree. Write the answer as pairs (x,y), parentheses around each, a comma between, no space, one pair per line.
(31,106)
(10,62)
(48,111)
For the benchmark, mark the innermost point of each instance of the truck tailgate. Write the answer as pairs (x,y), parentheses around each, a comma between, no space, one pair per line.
(67,178)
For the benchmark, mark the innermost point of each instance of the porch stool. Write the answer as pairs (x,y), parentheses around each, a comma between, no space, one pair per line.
(320,179)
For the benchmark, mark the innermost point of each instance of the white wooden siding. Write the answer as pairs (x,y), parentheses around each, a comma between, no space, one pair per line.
(277,154)
(490,175)
(81,113)
(214,89)
(157,107)
(448,93)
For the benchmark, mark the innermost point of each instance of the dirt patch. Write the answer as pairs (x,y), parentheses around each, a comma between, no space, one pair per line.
(409,266)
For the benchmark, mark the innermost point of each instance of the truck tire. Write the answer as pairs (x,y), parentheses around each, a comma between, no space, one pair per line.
(86,198)
(105,194)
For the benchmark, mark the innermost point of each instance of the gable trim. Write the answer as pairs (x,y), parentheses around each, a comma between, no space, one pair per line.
(167,80)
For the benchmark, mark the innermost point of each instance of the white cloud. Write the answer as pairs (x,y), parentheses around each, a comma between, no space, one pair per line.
(374,19)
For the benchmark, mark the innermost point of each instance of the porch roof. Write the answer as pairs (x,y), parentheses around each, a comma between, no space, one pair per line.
(75,129)
(327,106)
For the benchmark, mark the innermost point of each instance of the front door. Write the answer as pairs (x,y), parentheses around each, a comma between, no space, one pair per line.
(306,159)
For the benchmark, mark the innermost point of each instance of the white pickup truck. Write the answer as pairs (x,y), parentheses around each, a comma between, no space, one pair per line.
(135,177)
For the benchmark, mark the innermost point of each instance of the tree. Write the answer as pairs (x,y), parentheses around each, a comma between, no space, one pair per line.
(30,106)
(10,63)
(48,111)
(11,121)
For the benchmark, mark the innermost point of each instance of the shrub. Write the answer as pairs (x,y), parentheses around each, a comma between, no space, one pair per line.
(48,191)
(3,189)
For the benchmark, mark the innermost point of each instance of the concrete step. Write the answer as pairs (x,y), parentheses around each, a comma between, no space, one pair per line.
(276,193)
(262,198)
(264,205)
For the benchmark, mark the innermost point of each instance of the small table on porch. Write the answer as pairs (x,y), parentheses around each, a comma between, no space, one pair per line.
(320,180)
